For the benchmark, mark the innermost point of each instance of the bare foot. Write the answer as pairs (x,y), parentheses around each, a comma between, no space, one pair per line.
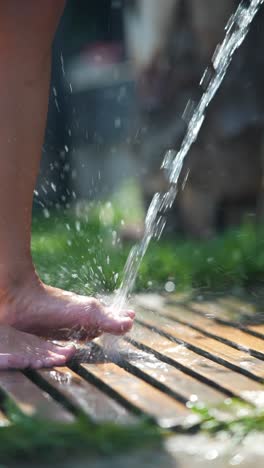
(20,350)
(33,307)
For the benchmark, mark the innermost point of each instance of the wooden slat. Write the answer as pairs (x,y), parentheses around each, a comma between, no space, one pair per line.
(241,313)
(228,334)
(30,399)
(259,329)
(85,396)
(137,393)
(180,328)
(235,335)
(217,309)
(198,366)
(222,312)
(238,306)
(167,377)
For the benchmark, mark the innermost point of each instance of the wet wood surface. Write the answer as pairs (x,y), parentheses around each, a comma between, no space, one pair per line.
(173,381)
(30,399)
(241,361)
(200,367)
(137,393)
(240,314)
(85,396)
(179,351)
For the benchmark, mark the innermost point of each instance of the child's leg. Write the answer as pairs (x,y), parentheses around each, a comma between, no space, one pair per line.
(26,33)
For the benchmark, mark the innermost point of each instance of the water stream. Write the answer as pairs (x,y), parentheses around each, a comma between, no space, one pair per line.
(236,31)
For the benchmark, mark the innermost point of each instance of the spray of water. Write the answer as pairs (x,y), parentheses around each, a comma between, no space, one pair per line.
(236,31)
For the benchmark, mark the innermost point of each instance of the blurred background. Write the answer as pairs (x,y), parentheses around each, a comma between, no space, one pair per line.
(86,155)
(125,79)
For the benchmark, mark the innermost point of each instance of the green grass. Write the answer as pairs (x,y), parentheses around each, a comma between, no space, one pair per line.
(233,416)
(84,256)
(31,438)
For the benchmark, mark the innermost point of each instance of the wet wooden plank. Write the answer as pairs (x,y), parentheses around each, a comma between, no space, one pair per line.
(31,399)
(243,306)
(222,311)
(242,313)
(181,329)
(85,396)
(252,314)
(137,393)
(258,329)
(198,366)
(230,335)
(171,380)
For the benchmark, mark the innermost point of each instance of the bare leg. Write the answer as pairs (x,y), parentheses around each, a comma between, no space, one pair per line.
(26,34)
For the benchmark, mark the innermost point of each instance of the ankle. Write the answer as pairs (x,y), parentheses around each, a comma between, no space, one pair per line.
(16,275)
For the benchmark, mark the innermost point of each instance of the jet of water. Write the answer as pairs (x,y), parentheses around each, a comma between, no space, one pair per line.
(236,31)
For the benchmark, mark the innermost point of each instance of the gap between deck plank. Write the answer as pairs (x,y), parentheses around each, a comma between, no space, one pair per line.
(134,393)
(174,352)
(223,311)
(86,397)
(30,399)
(198,339)
(225,332)
(219,312)
(165,377)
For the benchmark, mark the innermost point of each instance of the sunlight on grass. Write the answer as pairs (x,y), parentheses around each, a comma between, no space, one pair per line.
(86,255)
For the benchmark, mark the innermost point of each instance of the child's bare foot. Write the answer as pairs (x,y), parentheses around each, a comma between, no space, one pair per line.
(20,350)
(30,306)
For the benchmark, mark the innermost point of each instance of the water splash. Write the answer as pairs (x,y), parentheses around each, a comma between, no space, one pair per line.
(236,31)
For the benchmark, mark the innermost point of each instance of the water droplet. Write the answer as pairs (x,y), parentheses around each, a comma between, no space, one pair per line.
(169,286)
(193,398)
(212,454)
(118,122)
(236,459)
(46,213)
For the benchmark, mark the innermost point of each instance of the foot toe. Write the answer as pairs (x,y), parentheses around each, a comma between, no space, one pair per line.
(49,361)
(130,313)
(57,360)
(37,364)
(67,350)
(118,326)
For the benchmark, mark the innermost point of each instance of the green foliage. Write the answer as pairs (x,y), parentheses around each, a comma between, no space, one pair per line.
(31,438)
(87,257)
(232,416)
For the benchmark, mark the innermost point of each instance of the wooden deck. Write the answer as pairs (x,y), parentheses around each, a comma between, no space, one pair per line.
(178,351)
